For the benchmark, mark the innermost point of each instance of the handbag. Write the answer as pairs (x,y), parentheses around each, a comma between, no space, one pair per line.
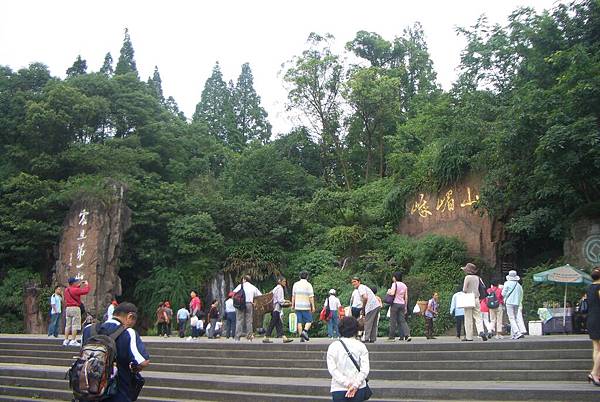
(465,300)
(368,392)
(389,299)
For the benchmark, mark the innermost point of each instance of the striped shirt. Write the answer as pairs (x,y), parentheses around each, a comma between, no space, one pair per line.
(302,292)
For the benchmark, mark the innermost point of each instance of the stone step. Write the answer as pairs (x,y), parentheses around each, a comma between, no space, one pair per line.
(320,344)
(428,372)
(51,386)
(67,356)
(319,355)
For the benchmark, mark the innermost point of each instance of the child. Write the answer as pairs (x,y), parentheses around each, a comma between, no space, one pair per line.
(182,316)
(213,317)
(457,312)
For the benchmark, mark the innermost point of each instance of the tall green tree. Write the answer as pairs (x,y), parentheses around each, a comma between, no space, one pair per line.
(126,62)
(315,80)
(107,65)
(215,109)
(155,84)
(251,117)
(79,67)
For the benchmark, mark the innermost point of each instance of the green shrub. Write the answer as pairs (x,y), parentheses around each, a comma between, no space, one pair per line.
(11,299)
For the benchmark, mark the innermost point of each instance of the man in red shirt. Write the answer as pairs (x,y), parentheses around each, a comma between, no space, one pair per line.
(73,295)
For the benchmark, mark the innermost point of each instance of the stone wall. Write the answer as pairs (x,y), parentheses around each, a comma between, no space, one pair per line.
(582,247)
(90,245)
(451,213)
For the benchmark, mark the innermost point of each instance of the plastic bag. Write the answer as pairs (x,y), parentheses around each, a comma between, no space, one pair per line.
(416,309)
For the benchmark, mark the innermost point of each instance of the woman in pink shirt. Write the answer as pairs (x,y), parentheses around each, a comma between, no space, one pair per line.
(195,304)
(398,308)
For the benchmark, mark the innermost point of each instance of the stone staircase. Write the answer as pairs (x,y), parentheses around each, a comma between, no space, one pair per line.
(536,368)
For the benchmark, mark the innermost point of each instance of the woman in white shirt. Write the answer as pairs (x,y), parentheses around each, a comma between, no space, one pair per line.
(348,382)
(332,323)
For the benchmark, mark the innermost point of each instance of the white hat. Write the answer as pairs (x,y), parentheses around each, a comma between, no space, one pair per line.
(331,291)
(512,276)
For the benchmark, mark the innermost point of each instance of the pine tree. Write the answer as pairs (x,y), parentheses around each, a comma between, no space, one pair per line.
(251,117)
(216,111)
(155,84)
(107,67)
(79,67)
(126,63)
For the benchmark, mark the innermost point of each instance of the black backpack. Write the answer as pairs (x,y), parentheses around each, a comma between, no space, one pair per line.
(93,376)
(239,298)
(492,300)
(482,290)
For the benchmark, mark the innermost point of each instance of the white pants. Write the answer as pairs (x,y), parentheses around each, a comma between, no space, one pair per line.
(470,315)
(512,310)
(520,322)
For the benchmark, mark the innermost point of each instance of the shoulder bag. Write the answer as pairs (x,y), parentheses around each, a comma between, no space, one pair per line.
(389,299)
(368,392)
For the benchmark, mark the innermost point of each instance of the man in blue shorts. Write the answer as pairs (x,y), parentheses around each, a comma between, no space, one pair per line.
(131,353)
(303,303)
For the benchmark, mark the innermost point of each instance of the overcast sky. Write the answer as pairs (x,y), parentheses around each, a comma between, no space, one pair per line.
(185,38)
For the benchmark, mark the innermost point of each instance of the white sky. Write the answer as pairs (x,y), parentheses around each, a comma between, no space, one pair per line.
(185,38)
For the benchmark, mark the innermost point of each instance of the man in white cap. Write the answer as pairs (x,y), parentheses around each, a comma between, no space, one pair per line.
(471,287)
(512,292)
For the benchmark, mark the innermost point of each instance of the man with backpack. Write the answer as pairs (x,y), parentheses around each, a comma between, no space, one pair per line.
(130,355)
(73,311)
(244,311)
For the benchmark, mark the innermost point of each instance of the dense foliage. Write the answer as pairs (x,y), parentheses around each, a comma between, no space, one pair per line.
(220,192)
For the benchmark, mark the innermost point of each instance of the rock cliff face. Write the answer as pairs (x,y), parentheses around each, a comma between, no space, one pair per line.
(90,245)
(582,247)
(451,213)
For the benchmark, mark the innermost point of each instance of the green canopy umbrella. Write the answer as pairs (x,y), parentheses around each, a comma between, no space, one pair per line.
(564,274)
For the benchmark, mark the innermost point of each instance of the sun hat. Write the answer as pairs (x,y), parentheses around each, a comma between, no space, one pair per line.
(512,276)
(331,291)
(470,268)
(73,280)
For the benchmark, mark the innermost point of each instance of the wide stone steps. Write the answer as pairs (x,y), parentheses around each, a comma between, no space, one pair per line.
(542,369)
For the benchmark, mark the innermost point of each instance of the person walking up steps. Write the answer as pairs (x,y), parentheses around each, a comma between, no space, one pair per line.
(303,303)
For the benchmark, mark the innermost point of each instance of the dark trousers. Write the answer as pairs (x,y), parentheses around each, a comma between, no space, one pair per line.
(428,327)
(460,323)
(54,324)
(339,396)
(397,319)
(168,328)
(275,323)
(230,324)
(162,328)
(181,327)
(356,312)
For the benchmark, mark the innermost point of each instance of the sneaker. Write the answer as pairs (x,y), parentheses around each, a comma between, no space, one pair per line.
(304,335)
(65,342)
(287,340)
(74,343)
(490,335)
(267,340)
(483,336)
(467,340)
(407,338)
(520,336)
